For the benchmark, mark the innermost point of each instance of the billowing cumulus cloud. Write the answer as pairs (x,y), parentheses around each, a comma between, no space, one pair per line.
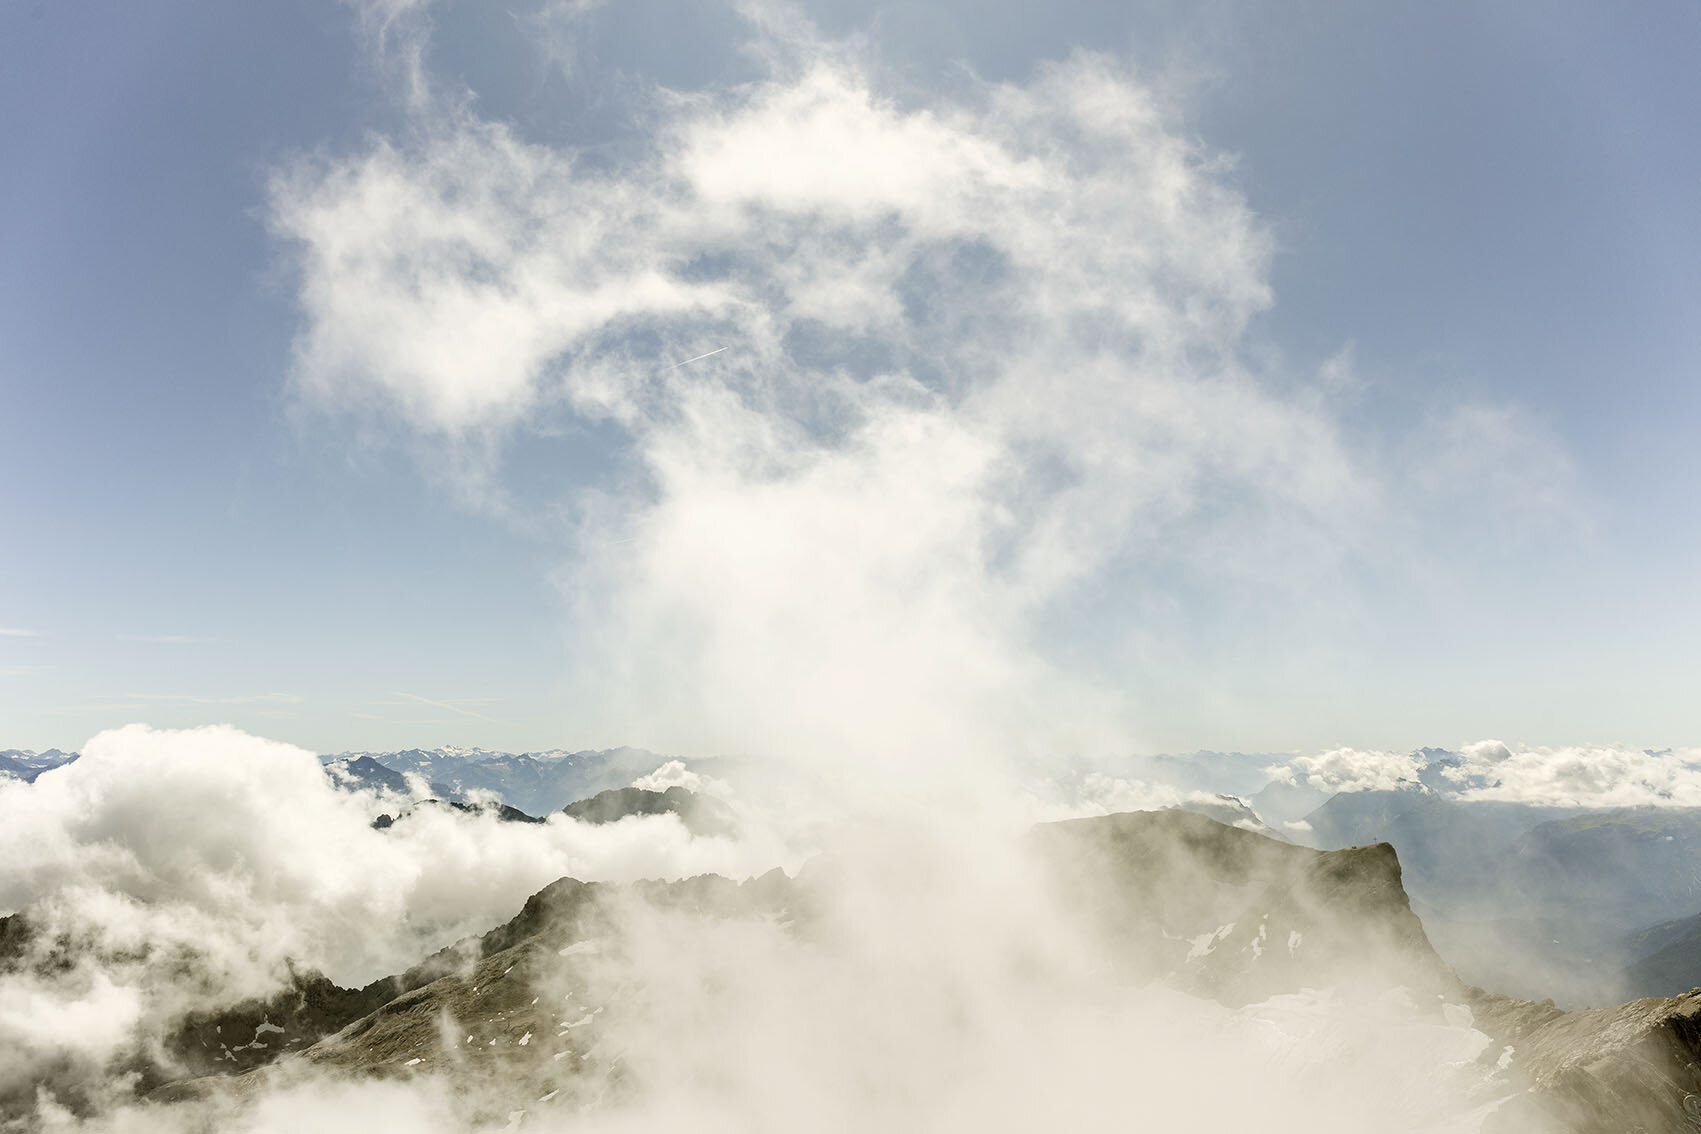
(1347,769)
(1580,776)
(193,869)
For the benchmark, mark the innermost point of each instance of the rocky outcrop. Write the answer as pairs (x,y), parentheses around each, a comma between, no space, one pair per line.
(255,1032)
(701,814)
(1634,1069)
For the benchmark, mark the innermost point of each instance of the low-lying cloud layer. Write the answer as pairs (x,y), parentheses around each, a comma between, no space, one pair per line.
(1580,776)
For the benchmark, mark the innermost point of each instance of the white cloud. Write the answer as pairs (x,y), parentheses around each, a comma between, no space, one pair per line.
(35,1012)
(15,632)
(978,353)
(674,773)
(350,1108)
(1580,776)
(825,145)
(1489,770)
(1349,769)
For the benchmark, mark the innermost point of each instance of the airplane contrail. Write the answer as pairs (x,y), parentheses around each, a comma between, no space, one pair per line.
(445,705)
(699,358)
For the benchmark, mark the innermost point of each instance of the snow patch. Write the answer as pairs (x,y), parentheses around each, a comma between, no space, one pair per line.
(1206,943)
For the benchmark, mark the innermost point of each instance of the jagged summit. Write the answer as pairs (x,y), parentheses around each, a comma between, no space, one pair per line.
(363,773)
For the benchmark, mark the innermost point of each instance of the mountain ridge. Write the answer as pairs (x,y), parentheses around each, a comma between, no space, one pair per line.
(1618,1070)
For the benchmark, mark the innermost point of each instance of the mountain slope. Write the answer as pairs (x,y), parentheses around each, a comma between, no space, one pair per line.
(1665,959)
(363,773)
(1626,1070)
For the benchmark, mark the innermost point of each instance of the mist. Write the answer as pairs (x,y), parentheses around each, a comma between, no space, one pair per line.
(934,975)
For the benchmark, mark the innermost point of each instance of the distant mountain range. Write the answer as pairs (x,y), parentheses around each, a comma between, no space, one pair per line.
(22,764)
(534,782)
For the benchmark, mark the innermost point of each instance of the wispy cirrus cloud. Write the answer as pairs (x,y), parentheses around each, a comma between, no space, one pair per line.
(17,632)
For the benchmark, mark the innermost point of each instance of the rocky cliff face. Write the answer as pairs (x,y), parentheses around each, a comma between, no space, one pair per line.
(1235,915)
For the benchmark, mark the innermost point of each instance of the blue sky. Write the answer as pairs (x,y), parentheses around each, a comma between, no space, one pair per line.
(1427,475)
